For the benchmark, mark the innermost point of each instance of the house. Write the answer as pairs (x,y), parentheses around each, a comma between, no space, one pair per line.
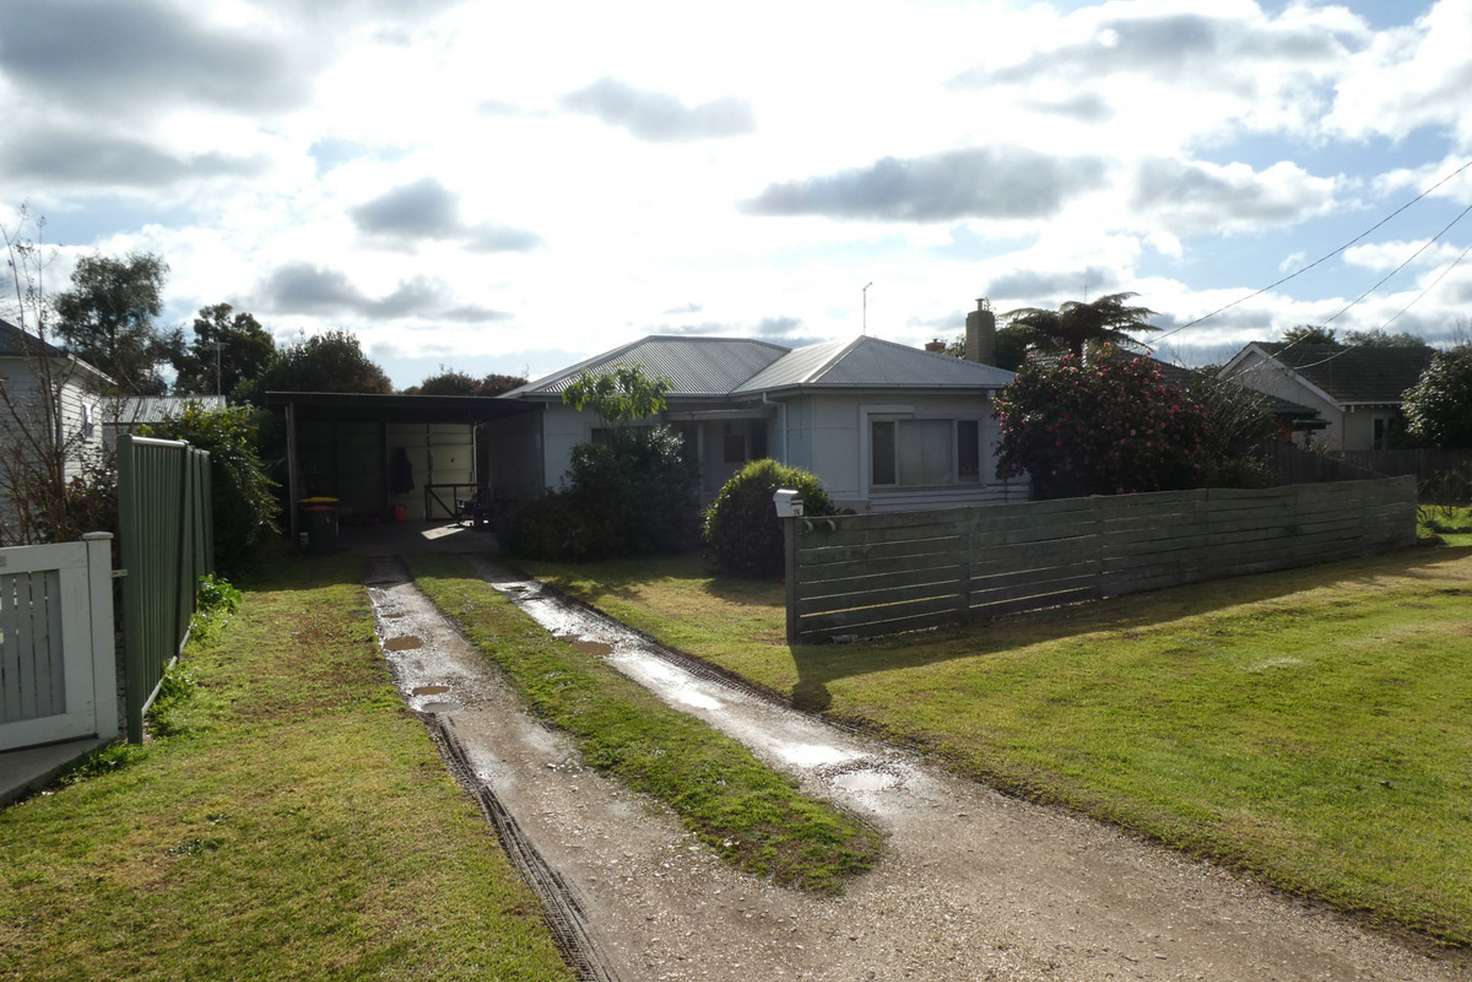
(26,417)
(886,427)
(1294,419)
(1355,388)
(124,414)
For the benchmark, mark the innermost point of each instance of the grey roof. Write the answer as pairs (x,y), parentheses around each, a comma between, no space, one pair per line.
(1354,373)
(698,366)
(16,343)
(154,409)
(873,363)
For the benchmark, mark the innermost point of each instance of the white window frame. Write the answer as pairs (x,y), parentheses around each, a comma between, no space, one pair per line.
(869,415)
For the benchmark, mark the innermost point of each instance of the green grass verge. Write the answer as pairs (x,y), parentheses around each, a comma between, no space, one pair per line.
(298,823)
(752,816)
(1312,726)
(1452,523)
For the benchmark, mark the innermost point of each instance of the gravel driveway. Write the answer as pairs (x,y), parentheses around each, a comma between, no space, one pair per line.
(973,884)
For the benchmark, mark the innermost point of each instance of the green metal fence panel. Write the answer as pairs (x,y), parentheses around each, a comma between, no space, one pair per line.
(166,528)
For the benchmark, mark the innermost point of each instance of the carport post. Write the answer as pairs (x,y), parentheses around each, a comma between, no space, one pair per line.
(291,496)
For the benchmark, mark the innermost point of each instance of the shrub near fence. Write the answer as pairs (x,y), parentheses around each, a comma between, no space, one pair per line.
(869,575)
(166,528)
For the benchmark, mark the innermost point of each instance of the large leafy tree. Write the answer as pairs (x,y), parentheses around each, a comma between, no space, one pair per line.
(108,318)
(1110,427)
(451,382)
(330,362)
(1378,337)
(1111,319)
(1438,407)
(1310,334)
(619,395)
(229,347)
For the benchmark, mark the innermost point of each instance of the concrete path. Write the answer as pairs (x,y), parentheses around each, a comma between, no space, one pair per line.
(973,885)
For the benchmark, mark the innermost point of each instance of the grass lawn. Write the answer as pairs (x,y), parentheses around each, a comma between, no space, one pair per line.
(752,816)
(1312,726)
(298,823)
(1452,522)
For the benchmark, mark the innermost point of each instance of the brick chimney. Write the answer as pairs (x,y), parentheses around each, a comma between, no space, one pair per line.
(936,347)
(981,333)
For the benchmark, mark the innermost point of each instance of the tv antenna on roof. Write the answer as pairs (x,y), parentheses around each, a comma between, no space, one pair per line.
(865,293)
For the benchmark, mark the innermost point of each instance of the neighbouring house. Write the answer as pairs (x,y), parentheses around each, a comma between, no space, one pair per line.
(25,362)
(124,414)
(886,427)
(1355,388)
(1295,421)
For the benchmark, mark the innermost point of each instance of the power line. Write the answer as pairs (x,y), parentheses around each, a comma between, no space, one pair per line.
(1429,286)
(1409,259)
(1322,259)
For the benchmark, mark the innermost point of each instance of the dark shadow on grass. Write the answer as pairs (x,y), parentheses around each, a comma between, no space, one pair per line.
(820,664)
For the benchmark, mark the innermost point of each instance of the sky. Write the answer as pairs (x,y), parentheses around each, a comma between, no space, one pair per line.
(512,187)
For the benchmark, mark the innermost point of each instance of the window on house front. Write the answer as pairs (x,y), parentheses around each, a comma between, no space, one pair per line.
(923,452)
(1382,433)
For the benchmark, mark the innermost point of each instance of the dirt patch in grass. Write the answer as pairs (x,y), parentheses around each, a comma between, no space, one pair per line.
(751,815)
(1308,726)
(298,824)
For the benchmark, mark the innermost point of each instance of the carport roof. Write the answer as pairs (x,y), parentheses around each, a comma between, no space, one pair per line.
(394,408)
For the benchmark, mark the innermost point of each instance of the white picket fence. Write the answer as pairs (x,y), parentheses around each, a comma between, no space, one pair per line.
(58,677)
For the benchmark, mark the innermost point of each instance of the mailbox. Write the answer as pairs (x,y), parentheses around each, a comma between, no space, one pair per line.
(788,503)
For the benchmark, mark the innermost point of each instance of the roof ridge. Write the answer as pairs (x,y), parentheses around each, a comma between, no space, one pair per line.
(827,366)
(713,337)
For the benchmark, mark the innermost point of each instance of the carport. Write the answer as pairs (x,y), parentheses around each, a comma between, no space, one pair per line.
(379,453)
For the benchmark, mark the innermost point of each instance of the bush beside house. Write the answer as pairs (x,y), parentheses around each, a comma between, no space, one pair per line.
(742,530)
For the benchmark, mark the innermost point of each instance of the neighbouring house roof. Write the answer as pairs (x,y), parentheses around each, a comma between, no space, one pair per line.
(697,366)
(872,363)
(1177,375)
(152,409)
(1350,373)
(18,343)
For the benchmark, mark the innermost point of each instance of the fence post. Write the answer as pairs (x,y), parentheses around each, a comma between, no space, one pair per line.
(104,653)
(789,551)
(132,559)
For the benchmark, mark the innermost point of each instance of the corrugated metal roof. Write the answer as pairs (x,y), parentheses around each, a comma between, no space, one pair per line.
(696,366)
(796,367)
(155,409)
(874,363)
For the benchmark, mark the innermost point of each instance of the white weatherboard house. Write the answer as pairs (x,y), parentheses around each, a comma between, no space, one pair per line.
(884,426)
(24,363)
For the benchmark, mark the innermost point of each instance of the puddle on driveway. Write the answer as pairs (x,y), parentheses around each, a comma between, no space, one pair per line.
(875,779)
(404,642)
(446,706)
(428,690)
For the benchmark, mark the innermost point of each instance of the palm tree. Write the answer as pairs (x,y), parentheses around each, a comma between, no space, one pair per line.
(1076,323)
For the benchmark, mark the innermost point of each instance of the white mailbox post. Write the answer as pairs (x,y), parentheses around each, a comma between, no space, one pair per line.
(789,509)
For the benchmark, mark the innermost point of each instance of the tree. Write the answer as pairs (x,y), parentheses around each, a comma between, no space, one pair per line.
(1378,337)
(245,350)
(107,317)
(1013,343)
(245,506)
(1112,427)
(1075,323)
(1438,408)
(52,487)
(1310,334)
(330,362)
(451,382)
(619,395)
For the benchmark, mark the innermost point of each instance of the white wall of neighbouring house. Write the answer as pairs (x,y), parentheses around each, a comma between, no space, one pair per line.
(828,434)
(1265,375)
(79,407)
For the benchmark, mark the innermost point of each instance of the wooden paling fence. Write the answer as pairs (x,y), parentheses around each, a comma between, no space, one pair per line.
(870,575)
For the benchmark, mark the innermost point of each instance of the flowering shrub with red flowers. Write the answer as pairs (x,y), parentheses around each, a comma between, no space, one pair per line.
(1113,426)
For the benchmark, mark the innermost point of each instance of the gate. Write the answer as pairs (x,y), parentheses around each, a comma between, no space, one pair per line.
(58,680)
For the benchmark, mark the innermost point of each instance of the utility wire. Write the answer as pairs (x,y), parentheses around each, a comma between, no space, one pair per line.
(1429,286)
(1409,259)
(1322,259)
